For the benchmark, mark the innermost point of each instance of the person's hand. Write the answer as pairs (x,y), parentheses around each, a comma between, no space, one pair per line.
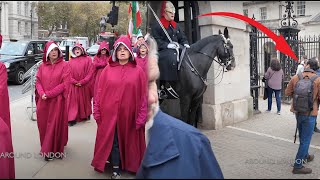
(186,45)
(44,97)
(78,84)
(172,46)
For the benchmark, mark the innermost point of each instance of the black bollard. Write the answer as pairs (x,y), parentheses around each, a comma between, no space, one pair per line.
(67,53)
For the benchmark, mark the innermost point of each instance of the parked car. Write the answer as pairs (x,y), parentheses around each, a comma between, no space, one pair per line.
(20,56)
(93,50)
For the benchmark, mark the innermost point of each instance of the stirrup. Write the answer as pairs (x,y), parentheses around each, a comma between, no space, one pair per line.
(162,94)
(173,92)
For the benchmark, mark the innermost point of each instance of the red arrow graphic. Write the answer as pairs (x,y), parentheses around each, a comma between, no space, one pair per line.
(281,43)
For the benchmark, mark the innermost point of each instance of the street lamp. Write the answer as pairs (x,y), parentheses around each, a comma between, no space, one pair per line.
(31,22)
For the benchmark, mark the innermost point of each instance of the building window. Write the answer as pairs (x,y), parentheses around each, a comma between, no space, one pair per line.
(34,33)
(301,8)
(19,7)
(245,12)
(26,27)
(19,27)
(26,4)
(263,13)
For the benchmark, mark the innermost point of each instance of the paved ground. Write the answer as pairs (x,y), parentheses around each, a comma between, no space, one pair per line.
(261,147)
(15,91)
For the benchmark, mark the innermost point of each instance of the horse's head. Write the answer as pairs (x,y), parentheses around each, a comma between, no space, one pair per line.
(225,51)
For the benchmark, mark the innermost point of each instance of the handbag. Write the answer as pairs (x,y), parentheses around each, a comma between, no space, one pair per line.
(265,93)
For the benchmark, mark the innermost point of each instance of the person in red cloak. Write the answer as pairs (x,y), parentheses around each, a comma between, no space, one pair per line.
(120,111)
(6,149)
(52,84)
(142,56)
(100,61)
(82,70)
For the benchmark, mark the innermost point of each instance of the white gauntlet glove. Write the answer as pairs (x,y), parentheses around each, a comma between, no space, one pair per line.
(186,45)
(172,46)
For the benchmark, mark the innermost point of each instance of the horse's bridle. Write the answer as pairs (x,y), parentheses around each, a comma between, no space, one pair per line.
(219,61)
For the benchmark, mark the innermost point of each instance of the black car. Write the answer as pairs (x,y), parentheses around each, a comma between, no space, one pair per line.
(20,56)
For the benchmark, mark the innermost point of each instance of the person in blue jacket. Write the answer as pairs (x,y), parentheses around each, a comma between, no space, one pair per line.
(174,148)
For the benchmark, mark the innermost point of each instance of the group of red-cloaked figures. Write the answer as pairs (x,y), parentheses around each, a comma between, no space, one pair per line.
(116,84)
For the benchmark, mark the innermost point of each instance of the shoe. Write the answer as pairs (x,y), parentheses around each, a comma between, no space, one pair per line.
(316,130)
(267,111)
(72,123)
(48,158)
(310,158)
(115,175)
(278,112)
(302,170)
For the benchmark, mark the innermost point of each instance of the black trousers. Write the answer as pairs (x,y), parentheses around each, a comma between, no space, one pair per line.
(115,152)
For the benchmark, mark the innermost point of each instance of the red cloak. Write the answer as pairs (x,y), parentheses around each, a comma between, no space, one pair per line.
(6,161)
(119,102)
(82,71)
(52,113)
(142,61)
(100,62)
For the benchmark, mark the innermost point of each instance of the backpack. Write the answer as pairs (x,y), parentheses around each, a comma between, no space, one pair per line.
(303,94)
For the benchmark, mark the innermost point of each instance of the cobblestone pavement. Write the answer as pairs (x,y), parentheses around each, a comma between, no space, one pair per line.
(262,147)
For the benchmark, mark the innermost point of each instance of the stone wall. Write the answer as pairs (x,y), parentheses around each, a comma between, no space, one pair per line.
(227,99)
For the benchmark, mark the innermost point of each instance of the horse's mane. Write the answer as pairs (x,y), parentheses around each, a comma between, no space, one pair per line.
(197,46)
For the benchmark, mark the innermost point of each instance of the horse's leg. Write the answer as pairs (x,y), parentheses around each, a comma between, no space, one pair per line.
(199,112)
(185,109)
(195,107)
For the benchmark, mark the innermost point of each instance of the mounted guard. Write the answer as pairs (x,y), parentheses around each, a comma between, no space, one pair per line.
(171,40)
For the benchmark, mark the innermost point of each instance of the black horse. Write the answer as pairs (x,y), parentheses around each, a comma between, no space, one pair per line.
(193,68)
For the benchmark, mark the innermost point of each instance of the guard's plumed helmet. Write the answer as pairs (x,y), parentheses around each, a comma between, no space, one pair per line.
(167,6)
(170,7)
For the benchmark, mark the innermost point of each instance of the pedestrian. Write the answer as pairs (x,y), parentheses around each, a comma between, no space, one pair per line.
(301,64)
(120,112)
(100,61)
(316,129)
(52,84)
(6,162)
(139,40)
(168,51)
(142,56)
(82,70)
(305,120)
(175,150)
(274,77)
